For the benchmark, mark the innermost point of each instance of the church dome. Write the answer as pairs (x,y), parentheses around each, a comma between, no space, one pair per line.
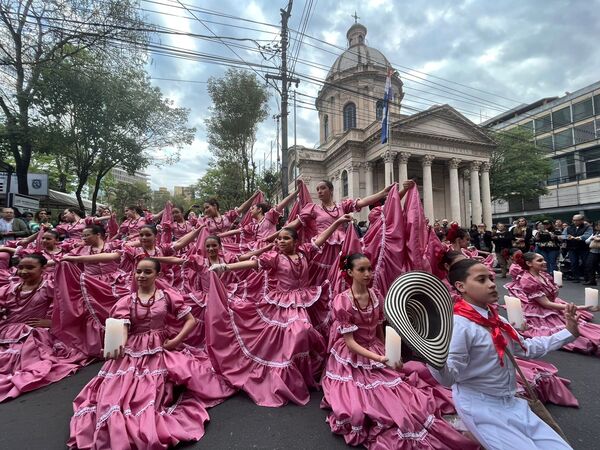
(358,55)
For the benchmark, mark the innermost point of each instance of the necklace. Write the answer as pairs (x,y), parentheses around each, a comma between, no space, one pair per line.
(148,304)
(366,308)
(26,297)
(330,211)
(296,265)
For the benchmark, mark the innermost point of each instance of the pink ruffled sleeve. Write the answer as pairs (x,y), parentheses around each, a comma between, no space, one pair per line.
(350,205)
(531,288)
(307,214)
(273,216)
(122,309)
(342,314)
(177,306)
(268,261)
(310,249)
(232,215)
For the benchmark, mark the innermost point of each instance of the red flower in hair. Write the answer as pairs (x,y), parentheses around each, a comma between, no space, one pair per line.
(452,232)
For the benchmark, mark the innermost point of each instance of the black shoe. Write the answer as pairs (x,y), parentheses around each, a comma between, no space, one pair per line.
(589,283)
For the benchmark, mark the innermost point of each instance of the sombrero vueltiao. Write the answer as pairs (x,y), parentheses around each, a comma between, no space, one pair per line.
(419,307)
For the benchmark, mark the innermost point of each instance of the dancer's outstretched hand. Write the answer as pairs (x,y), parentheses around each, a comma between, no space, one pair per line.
(571,318)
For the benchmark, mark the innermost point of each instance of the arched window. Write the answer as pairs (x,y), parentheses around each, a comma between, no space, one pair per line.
(349,116)
(326,127)
(379,110)
(293,171)
(344,183)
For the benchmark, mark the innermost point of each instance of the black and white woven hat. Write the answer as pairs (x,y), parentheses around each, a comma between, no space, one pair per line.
(419,307)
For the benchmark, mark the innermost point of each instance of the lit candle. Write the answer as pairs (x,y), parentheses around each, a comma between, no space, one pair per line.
(393,347)
(591,297)
(558,278)
(514,311)
(114,335)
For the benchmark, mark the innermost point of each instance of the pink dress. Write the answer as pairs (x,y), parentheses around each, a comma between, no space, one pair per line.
(30,357)
(84,296)
(220,225)
(266,344)
(74,230)
(150,398)
(318,219)
(543,321)
(181,229)
(196,288)
(371,404)
(130,228)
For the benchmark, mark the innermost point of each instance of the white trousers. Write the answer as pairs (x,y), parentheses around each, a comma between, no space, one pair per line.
(504,423)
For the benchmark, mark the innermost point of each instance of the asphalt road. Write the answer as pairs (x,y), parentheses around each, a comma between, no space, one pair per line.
(40,419)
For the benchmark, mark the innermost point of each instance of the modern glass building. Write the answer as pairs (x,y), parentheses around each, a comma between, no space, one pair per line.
(568,128)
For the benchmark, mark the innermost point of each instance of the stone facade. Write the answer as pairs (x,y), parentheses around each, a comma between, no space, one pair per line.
(434,146)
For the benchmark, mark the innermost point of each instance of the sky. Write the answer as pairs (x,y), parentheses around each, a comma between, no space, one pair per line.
(481,57)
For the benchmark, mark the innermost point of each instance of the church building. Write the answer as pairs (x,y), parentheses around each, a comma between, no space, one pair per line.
(443,151)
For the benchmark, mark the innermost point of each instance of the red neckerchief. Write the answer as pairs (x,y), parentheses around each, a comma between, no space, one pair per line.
(494,324)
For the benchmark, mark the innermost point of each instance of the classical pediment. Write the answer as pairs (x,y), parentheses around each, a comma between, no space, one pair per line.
(443,122)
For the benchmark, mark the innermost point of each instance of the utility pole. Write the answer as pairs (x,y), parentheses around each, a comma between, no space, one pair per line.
(283,77)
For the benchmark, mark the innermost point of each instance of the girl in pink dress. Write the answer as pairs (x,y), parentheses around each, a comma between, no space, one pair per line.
(30,355)
(216,222)
(262,226)
(86,290)
(134,221)
(317,217)
(370,402)
(197,281)
(154,393)
(73,225)
(267,345)
(543,308)
(180,226)
(145,247)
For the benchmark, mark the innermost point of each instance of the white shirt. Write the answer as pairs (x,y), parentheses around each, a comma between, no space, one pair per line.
(5,227)
(473,362)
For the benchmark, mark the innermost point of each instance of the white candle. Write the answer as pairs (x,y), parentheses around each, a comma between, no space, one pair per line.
(514,311)
(393,346)
(558,278)
(114,335)
(591,297)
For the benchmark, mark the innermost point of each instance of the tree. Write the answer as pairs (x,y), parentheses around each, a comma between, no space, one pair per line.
(518,168)
(126,194)
(269,183)
(38,34)
(224,182)
(109,118)
(239,106)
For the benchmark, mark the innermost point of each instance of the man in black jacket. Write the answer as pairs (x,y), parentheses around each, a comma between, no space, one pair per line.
(575,236)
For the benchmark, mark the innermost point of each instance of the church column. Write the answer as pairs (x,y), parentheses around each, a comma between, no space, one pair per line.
(337,184)
(486,197)
(388,158)
(428,187)
(454,190)
(466,190)
(354,180)
(475,193)
(403,166)
(369,166)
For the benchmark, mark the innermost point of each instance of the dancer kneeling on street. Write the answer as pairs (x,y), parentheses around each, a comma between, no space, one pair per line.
(482,376)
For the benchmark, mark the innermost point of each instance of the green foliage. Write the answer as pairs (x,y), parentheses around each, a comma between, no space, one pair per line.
(224,182)
(239,106)
(124,194)
(33,41)
(518,169)
(269,183)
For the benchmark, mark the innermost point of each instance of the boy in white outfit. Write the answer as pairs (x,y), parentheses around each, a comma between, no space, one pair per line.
(481,375)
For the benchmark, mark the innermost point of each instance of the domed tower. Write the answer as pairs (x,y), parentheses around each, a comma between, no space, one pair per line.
(353,94)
